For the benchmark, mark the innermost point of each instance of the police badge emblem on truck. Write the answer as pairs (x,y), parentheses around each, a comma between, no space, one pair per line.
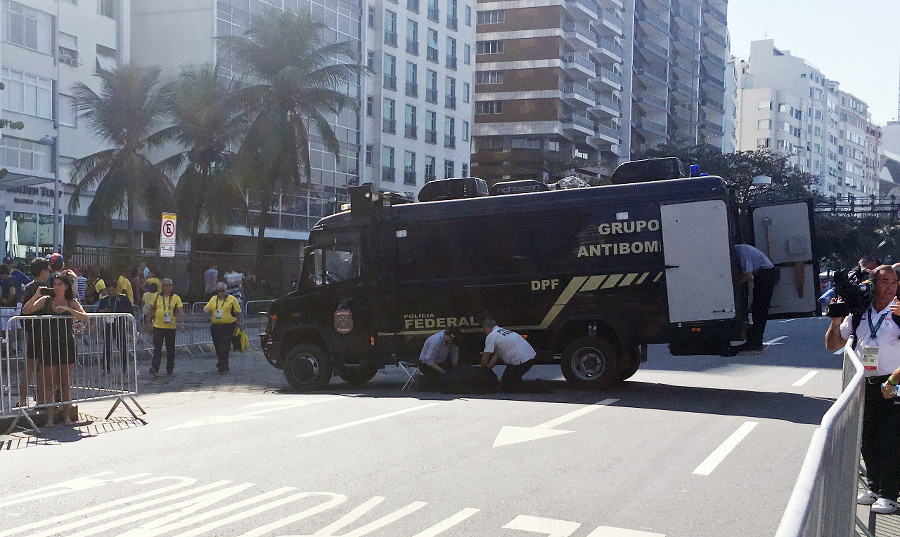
(343,321)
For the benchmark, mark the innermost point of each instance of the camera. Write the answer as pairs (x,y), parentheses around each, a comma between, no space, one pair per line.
(46,291)
(854,293)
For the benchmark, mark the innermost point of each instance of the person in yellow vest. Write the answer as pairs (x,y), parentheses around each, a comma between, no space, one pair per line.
(225,314)
(123,284)
(163,311)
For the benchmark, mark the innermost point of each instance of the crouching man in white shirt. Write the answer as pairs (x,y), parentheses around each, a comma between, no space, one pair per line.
(502,345)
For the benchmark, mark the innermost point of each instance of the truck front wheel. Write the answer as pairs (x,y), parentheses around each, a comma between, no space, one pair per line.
(590,363)
(307,367)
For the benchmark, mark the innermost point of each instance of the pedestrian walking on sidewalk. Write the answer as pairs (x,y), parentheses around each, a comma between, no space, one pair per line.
(163,311)
(225,314)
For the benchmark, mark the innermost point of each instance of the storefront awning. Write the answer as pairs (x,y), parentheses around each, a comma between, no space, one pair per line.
(18,177)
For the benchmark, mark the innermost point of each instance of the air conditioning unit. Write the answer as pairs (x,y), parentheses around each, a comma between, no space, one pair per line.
(68,56)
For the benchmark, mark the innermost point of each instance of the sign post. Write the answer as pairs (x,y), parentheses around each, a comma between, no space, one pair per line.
(167,235)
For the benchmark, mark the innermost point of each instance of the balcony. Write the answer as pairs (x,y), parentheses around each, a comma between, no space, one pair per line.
(606,102)
(390,82)
(683,113)
(431,96)
(431,54)
(651,100)
(715,80)
(580,33)
(578,123)
(659,78)
(577,92)
(607,133)
(714,102)
(611,20)
(451,62)
(653,47)
(684,89)
(412,47)
(608,51)
(715,38)
(450,102)
(389,125)
(583,8)
(390,38)
(409,131)
(651,126)
(712,128)
(688,41)
(578,62)
(434,14)
(409,177)
(610,75)
(387,174)
(452,23)
(653,21)
(449,141)
(412,89)
(412,5)
(430,136)
(691,16)
(715,12)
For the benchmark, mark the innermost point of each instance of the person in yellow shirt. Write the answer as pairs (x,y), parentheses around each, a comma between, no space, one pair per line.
(123,284)
(225,314)
(163,311)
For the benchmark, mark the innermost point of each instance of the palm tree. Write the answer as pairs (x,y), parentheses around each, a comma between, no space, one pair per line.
(125,115)
(294,83)
(206,127)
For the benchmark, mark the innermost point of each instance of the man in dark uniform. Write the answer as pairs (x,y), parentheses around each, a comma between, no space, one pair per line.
(755,265)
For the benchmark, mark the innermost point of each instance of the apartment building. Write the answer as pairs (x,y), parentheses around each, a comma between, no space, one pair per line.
(47,47)
(173,34)
(787,104)
(594,81)
(418,99)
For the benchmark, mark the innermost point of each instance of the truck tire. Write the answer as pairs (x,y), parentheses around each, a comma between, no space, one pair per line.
(358,376)
(632,361)
(307,367)
(590,363)
(630,370)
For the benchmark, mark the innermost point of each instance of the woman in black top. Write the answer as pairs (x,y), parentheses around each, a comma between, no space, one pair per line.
(53,340)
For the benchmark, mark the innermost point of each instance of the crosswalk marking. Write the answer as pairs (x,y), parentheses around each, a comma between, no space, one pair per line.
(805,378)
(707,466)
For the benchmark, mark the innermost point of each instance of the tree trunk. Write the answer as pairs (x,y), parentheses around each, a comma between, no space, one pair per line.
(131,247)
(265,205)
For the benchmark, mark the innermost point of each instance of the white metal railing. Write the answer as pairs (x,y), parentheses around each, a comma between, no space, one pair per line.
(579,60)
(823,502)
(579,90)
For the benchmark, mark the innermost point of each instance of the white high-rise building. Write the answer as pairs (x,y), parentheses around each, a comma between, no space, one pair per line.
(787,104)
(47,47)
(418,101)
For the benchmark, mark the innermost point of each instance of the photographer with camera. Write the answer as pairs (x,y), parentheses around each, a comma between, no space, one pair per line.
(876,337)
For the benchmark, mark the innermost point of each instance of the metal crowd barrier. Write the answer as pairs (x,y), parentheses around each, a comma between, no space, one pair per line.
(823,502)
(53,362)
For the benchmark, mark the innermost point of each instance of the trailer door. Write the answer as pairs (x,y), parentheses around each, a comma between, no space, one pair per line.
(697,253)
(784,233)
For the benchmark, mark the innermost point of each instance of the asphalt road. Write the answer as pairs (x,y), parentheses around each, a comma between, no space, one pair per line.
(690,446)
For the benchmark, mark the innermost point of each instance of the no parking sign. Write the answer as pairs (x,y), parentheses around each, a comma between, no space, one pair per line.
(167,235)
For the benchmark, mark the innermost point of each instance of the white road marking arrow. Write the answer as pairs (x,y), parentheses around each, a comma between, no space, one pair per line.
(252,415)
(514,435)
(549,526)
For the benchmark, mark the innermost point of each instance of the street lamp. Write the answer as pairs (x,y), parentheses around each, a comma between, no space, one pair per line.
(53,142)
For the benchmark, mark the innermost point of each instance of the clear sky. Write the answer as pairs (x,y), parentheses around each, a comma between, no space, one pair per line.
(855,42)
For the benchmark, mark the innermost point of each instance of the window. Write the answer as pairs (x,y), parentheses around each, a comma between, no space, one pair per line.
(68,49)
(409,168)
(410,126)
(466,92)
(388,118)
(369,150)
(431,127)
(496,16)
(431,86)
(465,170)
(451,53)
(468,15)
(489,77)
(25,154)
(765,105)
(390,72)
(370,60)
(387,163)
(107,8)
(450,93)
(412,5)
(412,37)
(433,12)
(106,58)
(488,107)
(762,143)
(452,15)
(371,18)
(332,264)
(467,54)
(370,105)
(764,124)
(68,114)
(465,132)
(26,93)
(432,52)
(483,143)
(449,132)
(448,169)
(489,47)
(27,27)
(430,170)
(526,143)
(412,83)
(390,28)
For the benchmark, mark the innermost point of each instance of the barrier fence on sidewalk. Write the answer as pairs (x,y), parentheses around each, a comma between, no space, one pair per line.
(52,362)
(823,502)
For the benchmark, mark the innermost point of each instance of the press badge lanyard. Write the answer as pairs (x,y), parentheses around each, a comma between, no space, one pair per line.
(219,308)
(167,312)
(870,353)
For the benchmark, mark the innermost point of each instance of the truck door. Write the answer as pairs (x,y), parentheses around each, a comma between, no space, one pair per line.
(783,232)
(697,253)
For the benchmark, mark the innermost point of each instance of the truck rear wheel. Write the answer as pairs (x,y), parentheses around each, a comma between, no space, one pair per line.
(359,375)
(590,363)
(307,367)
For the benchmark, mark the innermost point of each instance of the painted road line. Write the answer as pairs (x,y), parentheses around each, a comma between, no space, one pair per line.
(514,435)
(253,415)
(366,420)
(775,341)
(547,526)
(385,520)
(787,320)
(447,523)
(350,517)
(607,531)
(66,487)
(805,378)
(706,467)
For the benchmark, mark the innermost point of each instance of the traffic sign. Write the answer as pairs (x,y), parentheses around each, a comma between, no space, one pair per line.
(167,235)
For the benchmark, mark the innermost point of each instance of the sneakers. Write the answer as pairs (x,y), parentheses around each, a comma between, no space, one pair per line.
(884,506)
(153,372)
(866,498)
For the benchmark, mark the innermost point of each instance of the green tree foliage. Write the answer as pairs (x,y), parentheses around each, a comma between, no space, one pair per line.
(293,90)
(125,115)
(738,170)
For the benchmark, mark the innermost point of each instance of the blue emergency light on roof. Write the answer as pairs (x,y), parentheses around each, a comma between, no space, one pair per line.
(695,170)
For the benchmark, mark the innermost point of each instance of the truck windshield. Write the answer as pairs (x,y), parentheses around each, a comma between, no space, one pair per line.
(332,264)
